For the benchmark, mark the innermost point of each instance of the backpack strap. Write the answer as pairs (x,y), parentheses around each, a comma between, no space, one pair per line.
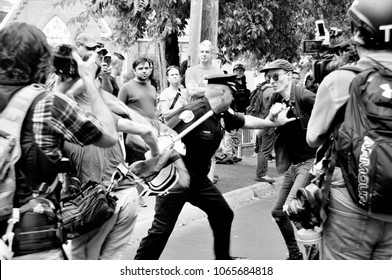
(11,119)
(175,99)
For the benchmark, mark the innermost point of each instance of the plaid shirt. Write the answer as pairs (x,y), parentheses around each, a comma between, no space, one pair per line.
(57,118)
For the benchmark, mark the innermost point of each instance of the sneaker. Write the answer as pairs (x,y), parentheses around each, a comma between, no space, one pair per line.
(297,256)
(266,179)
(225,161)
(236,159)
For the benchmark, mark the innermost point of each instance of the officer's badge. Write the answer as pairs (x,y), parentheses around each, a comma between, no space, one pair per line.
(187,116)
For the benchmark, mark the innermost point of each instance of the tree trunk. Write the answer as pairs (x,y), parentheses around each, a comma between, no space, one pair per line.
(195,31)
(162,65)
(209,24)
(172,49)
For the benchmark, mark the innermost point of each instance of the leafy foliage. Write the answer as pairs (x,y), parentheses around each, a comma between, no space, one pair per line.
(243,27)
(252,29)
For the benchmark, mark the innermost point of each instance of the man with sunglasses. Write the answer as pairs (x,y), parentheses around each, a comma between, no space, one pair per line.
(293,154)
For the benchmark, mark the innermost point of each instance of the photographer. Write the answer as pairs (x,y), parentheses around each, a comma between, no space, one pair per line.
(350,232)
(25,59)
(293,155)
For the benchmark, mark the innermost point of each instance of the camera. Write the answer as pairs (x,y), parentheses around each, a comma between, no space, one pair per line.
(305,208)
(107,59)
(312,46)
(63,62)
(65,65)
(329,56)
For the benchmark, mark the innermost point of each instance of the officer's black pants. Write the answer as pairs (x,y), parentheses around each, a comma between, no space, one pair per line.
(203,194)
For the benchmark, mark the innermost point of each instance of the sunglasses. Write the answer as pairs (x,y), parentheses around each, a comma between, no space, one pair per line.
(91,48)
(87,48)
(275,77)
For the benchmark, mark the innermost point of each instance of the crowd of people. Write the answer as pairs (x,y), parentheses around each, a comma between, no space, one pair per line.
(97,123)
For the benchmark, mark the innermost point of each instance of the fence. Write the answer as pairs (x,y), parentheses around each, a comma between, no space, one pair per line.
(248,139)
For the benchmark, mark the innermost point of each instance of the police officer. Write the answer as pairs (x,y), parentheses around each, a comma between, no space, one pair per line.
(201,144)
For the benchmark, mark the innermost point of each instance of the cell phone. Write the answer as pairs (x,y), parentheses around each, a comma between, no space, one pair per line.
(311,46)
(107,59)
(320,27)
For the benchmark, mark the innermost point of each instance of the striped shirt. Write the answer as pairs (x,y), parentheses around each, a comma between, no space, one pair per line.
(57,118)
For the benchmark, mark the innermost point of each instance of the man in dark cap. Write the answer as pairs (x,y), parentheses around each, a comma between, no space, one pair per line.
(87,41)
(232,139)
(201,144)
(241,98)
(293,154)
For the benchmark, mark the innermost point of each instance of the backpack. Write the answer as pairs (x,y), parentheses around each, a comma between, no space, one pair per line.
(11,120)
(363,143)
(255,108)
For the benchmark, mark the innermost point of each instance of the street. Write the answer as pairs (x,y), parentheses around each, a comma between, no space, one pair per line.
(254,236)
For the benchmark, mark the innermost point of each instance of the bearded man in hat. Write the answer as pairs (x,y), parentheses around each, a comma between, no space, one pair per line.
(293,154)
(201,144)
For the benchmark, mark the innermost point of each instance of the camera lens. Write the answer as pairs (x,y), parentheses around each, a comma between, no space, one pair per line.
(302,197)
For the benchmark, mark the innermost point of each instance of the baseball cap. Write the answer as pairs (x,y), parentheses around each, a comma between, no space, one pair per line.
(223,79)
(239,66)
(119,55)
(279,64)
(86,40)
(102,51)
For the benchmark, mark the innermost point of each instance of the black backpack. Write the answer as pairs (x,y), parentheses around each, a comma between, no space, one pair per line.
(363,142)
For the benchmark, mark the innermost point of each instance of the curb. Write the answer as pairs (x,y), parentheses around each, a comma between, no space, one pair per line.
(191,213)
(234,198)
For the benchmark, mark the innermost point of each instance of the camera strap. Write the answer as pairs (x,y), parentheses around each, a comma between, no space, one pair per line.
(324,178)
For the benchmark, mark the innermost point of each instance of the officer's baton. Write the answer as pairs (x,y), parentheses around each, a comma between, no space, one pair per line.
(189,128)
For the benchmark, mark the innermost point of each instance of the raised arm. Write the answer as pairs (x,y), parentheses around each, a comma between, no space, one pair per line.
(87,70)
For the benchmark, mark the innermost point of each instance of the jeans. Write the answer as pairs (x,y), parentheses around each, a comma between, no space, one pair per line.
(348,235)
(232,142)
(108,241)
(296,177)
(203,194)
(266,145)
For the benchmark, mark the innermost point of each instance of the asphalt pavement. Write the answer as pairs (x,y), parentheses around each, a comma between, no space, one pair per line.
(237,184)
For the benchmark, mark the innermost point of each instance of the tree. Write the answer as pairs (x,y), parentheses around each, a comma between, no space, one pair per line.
(269,29)
(253,29)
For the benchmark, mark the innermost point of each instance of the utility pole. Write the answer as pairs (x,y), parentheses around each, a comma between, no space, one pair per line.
(209,24)
(203,25)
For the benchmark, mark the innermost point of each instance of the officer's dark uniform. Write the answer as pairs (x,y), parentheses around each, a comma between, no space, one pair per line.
(201,144)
